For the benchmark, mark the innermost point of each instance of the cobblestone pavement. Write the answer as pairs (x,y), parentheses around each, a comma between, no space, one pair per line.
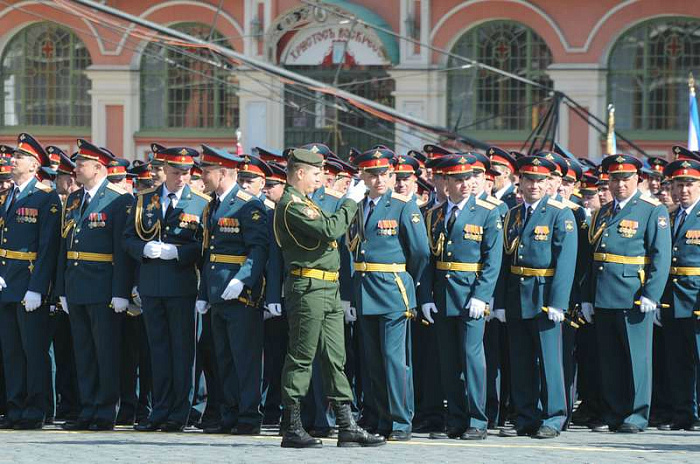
(124,445)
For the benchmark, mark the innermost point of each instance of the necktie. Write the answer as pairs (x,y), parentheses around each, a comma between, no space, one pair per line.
(370,210)
(215,206)
(617,209)
(528,213)
(171,204)
(451,219)
(14,194)
(679,223)
(86,202)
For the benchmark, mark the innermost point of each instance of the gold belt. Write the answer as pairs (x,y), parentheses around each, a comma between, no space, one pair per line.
(379,267)
(87,256)
(330,276)
(685,271)
(619,259)
(530,272)
(453,266)
(21,255)
(228,259)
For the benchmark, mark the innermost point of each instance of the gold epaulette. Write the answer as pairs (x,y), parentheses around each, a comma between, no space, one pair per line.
(400,197)
(115,188)
(556,204)
(334,193)
(571,204)
(243,195)
(200,194)
(493,200)
(577,193)
(43,187)
(269,203)
(296,199)
(649,199)
(485,204)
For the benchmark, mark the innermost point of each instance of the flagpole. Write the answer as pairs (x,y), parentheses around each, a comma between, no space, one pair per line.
(611,142)
(693,120)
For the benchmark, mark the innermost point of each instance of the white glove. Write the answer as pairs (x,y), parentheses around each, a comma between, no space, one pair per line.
(136,296)
(52,308)
(476,308)
(357,192)
(32,300)
(152,250)
(427,309)
(657,319)
(588,312)
(646,305)
(168,251)
(119,304)
(232,290)
(64,303)
(267,315)
(350,314)
(555,314)
(3,285)
(500,314)
(275,309)
(201,306)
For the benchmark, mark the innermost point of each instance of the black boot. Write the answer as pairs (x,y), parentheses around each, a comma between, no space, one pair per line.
(351,434)
(294,434)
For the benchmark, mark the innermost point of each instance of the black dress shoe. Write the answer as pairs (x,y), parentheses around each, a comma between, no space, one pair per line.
(545,432)
(427,427)
(6,424)
(399,435)
(628,428)
(508,432)
(147,426)
(73,426)
(599,426)
(218,429)
(26,424)
(449,434)
(694,427)
(246,429)
(101,426)
(172,427)
(666,426)
(473,433)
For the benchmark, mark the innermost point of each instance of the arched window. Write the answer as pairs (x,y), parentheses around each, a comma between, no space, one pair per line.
(43,78)
(480,100)
(648,76)
(179,91)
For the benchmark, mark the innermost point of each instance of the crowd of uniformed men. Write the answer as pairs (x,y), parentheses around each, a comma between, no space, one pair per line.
(438,291)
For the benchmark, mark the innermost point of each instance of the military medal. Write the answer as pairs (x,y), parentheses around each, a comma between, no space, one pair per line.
(692,237)
(541,233)
(628,228)
(387,227)
(473,232)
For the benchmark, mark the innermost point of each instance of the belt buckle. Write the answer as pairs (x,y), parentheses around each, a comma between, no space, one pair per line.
(448,265)
(77,254)
(363,266)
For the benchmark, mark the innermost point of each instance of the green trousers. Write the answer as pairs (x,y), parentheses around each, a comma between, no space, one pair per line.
(315,325)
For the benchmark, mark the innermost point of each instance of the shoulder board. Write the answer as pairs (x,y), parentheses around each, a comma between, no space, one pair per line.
(571,204)
(296,199)
(269,203)
(649,199)
(114,188)
(243,195)
(556,204)
(334,193)
(400,197)
(200,194)
(43,187)
(147,191)
(493,200)
(485,204)
(577,194)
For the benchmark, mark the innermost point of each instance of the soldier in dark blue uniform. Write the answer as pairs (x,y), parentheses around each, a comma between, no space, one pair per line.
(30,218)
(630,239)
(93,281)
(680,321)
(391,255)
(540,243)
(236,243)
(466,239)
(164,234)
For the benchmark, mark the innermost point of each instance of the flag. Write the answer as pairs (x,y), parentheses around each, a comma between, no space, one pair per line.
(693,120)
(612,141)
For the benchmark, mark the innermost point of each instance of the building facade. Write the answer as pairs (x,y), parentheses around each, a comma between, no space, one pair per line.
(65,76)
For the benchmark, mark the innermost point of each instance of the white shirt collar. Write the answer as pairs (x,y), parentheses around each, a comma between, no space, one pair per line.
(499,193)
(460,205)
(24,185)
(225,194)
(93,191)
(533,205)
(624,202)
(689,209)
(166,192)
(375,200)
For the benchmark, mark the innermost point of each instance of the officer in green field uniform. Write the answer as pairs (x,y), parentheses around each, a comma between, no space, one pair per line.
(94,280)
(391,255)
(680,322)
(164,234)
(630,239)
(308,238)
(466,239)
(540,244)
